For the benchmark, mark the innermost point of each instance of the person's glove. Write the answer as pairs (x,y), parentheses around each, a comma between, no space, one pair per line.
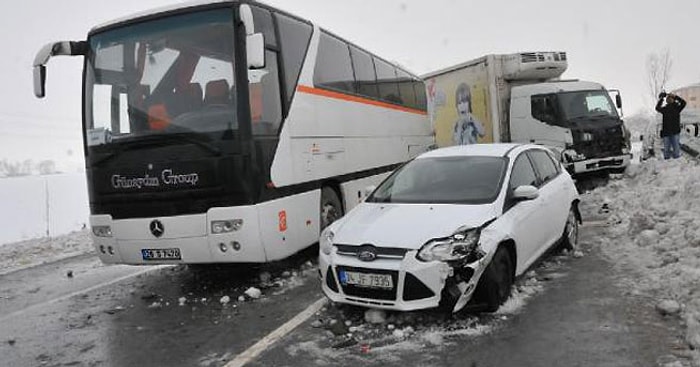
(662,95)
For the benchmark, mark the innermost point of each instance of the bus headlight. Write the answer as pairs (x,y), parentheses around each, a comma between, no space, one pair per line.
(226,226)
(102,231)
(325,243)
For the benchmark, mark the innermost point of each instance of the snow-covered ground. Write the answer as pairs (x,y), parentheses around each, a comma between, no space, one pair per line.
(24,254)
(37,206)
(655,232)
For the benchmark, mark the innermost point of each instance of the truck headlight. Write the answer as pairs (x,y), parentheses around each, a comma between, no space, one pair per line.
(102,231)
(325,243)
(226,226)
(456,247)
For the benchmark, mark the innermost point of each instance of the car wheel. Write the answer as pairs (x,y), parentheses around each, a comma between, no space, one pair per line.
(569,238)
(331,208)
(495,284)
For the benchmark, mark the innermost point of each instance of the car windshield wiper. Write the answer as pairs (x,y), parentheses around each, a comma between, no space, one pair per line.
(158,140)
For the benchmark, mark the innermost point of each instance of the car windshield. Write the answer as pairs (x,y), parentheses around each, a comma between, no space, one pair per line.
(585,104)
(450,180)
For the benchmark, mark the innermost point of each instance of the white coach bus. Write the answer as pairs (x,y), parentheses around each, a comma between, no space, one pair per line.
(230,131)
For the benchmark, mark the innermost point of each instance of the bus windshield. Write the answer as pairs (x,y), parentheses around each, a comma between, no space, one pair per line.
(167,76)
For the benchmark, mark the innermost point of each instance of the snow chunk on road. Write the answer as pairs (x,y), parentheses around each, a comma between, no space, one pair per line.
(253,293)
(225,300)
(668,307)
(374,316)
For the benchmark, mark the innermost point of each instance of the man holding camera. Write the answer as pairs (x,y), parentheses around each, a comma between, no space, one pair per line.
(671,127)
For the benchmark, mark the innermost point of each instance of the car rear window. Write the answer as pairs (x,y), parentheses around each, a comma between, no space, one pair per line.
(455,180)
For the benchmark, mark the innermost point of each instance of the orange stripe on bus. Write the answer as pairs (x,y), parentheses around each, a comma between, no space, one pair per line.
(351,98)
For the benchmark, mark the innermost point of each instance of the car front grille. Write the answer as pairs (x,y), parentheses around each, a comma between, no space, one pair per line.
(382,252)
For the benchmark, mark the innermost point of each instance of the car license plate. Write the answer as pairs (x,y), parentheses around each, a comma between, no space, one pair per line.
(366,280)
(161,254)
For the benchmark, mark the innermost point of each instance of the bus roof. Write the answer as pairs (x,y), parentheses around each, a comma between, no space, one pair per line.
(175,8)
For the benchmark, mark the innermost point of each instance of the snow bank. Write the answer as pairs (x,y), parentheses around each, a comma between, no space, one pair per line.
(30,253)
(655,231)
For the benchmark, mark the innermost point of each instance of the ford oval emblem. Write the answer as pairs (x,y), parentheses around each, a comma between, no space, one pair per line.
(367,253)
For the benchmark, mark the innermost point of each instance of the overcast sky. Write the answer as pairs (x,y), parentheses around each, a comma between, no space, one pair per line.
(607,41)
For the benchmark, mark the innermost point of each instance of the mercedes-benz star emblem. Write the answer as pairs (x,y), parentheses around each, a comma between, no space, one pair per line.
(367,253)
(157,228)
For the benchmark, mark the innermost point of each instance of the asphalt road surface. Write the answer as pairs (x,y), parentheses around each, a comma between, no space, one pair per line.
(174,316)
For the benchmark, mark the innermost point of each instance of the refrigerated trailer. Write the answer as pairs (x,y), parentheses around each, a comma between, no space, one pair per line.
(521,98)
(230,131)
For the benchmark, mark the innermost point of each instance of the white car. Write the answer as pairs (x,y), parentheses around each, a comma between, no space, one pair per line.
(452,224)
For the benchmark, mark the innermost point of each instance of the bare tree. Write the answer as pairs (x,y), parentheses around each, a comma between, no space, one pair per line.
(658,71)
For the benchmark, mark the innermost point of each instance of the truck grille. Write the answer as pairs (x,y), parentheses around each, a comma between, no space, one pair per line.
(605,143)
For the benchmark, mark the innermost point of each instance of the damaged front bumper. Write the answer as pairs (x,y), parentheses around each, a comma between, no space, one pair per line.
(599,164)
(414,284)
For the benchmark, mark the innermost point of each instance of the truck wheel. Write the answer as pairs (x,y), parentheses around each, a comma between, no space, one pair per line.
(331,207)
(495,284)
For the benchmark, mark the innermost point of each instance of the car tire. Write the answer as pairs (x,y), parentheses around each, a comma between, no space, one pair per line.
(569,239)
(495,284)
(331,207)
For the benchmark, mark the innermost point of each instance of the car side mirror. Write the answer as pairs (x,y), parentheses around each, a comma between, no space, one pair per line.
(618,100)
(641,137)
(525,192)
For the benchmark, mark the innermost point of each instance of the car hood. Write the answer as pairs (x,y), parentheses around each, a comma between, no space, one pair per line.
(407,226)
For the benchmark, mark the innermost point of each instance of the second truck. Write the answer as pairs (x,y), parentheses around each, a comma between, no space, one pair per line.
(521,98)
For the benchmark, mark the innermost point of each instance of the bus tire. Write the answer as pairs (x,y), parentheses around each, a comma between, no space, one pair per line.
(331,207)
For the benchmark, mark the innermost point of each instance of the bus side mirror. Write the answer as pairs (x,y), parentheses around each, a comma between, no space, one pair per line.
(40,81)
(255,49)
(618,100)
(255,42)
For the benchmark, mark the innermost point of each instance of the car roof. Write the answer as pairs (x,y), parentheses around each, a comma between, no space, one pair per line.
(484,150)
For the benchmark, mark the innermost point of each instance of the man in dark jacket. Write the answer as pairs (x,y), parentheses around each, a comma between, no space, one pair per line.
(671,127)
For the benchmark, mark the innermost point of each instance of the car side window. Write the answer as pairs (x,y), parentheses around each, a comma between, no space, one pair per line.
(522,174)
(544,165)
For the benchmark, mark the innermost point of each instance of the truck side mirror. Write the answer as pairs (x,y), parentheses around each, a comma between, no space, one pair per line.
(618,100)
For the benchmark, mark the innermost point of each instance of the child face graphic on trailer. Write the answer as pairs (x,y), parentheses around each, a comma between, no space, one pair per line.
(467,129)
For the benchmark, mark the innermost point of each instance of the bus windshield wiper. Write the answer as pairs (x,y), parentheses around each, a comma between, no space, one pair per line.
(158,140)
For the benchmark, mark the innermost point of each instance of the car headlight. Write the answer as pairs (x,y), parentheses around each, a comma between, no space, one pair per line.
(102,231)
(325,243)
(226,226)
(456,247)
(586,137)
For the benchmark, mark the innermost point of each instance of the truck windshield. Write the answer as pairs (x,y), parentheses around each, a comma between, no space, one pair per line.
(587,104)
(163,77)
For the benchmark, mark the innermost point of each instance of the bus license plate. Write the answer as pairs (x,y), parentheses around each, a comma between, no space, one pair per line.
(161,254)
(366,280)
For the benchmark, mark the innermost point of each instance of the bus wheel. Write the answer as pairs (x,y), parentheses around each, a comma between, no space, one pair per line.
(331,208)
